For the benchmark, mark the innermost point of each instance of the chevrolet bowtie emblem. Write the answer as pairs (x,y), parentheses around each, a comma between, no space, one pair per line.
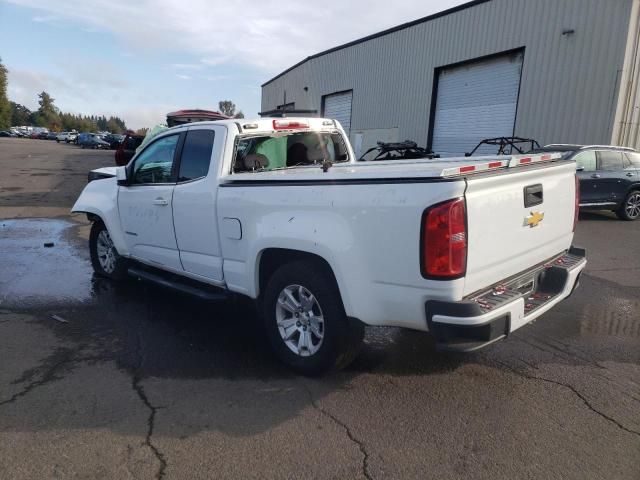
(533,220)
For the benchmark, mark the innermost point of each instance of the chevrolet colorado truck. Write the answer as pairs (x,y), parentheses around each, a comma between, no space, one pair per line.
(278,210)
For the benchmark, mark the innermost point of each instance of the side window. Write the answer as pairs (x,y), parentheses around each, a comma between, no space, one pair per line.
(609,160)
(586,160)
(155,163)
(634,159)
(196,155)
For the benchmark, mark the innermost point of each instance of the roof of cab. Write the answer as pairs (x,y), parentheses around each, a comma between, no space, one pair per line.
(268,124)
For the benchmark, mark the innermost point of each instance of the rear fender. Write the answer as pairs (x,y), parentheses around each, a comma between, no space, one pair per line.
(100,198)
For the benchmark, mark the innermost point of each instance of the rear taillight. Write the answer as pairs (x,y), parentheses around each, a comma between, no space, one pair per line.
(443,246)
(576,211)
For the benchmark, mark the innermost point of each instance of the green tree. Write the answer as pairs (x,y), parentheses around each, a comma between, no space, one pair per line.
(227,107)
(5,107)
(48,114)
(20,115)
(114,126)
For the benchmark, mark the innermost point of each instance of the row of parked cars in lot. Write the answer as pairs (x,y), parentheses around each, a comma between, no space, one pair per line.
(83,140)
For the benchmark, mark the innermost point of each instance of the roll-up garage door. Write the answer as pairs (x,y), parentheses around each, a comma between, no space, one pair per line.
(475,101)
(338,107)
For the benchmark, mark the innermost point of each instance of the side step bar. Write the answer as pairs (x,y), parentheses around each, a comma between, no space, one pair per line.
(205,292)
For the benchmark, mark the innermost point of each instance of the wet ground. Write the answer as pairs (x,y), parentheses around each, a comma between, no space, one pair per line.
(99,380)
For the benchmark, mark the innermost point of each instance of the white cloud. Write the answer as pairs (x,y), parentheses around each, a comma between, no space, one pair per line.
(183,77)
(269,35)
(187,66)
(45,18)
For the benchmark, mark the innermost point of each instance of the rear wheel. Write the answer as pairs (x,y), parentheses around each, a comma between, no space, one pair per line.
(105,259)
(305,319)
(630,208)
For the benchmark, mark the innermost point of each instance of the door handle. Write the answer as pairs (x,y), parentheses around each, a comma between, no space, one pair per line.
(630,174)
(595,175)
(160,201)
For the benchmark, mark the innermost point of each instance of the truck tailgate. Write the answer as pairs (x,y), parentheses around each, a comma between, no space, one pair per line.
(508,232)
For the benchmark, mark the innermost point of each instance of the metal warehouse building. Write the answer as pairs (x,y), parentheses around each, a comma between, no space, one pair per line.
(559,71)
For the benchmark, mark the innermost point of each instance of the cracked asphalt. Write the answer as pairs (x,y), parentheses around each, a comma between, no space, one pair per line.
(102,380)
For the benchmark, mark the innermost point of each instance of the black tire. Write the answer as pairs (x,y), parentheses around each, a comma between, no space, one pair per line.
(630,208)
(120,264)
(57,141)
(342,337)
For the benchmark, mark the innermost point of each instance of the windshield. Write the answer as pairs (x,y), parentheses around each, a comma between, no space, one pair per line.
(272,152)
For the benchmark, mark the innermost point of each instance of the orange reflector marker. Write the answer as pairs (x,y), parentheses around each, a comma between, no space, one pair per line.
(495,164)
(525,160)
(468,168)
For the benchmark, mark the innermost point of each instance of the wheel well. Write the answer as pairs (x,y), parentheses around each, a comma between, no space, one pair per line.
(273,258)
(92,217)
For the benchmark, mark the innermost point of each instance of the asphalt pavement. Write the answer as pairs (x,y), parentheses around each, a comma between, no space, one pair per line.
(103,380)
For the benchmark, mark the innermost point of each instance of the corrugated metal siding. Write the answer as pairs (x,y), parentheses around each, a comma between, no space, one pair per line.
(626,128)
(569,82)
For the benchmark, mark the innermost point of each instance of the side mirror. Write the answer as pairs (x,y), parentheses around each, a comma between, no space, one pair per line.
(467,154)
(579,169)
(121,175)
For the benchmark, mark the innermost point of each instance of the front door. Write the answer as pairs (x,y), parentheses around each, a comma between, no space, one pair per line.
(145,205)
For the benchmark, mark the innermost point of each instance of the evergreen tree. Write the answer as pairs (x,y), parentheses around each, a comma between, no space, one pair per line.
(20,115)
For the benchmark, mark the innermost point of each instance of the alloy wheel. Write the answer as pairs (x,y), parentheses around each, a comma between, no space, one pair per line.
(300,320)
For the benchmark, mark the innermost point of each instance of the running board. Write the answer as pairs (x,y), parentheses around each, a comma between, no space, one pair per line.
(203,292)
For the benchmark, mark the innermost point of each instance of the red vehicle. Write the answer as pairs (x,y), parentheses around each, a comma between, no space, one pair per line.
(194,115)
(127,148)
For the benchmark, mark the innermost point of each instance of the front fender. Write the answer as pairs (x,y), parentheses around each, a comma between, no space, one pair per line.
(100,198)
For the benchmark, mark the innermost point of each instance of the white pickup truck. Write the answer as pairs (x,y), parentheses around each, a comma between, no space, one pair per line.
(470,249)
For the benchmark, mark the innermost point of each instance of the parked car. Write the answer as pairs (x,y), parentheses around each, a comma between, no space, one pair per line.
(62,137)
(279,210)
(43,135)
(114,140)
(72,137)
(91,140)
(4,133)
(52,136)
(127,148)
(609,177)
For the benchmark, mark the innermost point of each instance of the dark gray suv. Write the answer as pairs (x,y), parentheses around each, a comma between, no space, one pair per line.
(609,177)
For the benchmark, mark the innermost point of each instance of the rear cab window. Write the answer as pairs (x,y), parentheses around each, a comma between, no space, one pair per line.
(278,151)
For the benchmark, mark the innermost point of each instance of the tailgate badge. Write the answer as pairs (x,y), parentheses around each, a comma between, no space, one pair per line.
(533,220)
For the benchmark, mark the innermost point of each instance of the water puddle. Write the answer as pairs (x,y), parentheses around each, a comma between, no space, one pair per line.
(32,274)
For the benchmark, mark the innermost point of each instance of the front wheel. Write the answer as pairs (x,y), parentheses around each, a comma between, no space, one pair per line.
(630,208)
(105,259)
(305,319)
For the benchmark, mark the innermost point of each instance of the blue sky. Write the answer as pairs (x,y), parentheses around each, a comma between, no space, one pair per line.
(140,60)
